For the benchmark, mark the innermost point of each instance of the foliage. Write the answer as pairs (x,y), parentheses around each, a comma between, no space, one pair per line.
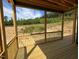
(52,18)
(8,22)
(51,15)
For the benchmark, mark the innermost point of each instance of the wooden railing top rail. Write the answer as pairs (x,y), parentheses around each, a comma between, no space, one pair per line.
(31,34)
(44,32)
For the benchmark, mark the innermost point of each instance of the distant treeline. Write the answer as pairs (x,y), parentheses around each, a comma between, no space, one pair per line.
(52,18)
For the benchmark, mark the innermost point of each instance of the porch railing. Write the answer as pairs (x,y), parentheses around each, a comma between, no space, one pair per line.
(12,49)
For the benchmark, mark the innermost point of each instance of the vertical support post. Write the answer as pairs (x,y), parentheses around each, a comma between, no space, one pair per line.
(62,26)
(14,21)
(45,26)
(74,25)
(77,27)
(1,41)
(3,36)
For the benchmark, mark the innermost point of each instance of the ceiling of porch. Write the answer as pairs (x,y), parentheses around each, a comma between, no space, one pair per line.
(50,5)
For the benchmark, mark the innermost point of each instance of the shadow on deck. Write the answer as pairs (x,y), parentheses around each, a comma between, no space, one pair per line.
(61,49)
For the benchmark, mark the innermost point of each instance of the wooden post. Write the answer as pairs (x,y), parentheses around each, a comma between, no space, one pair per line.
(1,41)
(77,29)
(74,25)
(3,36)
(45,26)
(62,26)
(14,21)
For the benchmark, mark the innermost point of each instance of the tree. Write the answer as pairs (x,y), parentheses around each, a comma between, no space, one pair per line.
(51,15)
(6,20)
(6,17)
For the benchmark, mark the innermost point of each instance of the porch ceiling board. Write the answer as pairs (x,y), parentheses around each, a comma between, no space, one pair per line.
(51,5)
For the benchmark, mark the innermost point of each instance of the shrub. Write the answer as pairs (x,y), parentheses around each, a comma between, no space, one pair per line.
(32,29)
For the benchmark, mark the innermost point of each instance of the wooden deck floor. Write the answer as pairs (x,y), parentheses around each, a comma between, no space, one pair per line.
(61,49)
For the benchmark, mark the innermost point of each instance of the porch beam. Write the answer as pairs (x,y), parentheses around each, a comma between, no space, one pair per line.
(3,35)
(58,3)
(72,3)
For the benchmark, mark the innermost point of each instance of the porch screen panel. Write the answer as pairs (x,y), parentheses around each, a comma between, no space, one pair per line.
(30,26)
(8,21)
(12,49)
(54,26)
(68,24)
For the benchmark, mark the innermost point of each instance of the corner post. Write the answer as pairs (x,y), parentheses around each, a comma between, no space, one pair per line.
(74,25)
(3,34)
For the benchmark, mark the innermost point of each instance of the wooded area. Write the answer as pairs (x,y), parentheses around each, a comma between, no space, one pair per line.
(53,18)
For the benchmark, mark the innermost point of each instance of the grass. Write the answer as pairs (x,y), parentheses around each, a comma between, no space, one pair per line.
(32,29)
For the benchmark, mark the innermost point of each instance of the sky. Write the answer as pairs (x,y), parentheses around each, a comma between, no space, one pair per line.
(25,13)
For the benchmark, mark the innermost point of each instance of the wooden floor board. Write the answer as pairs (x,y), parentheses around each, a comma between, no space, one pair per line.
(62,49)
